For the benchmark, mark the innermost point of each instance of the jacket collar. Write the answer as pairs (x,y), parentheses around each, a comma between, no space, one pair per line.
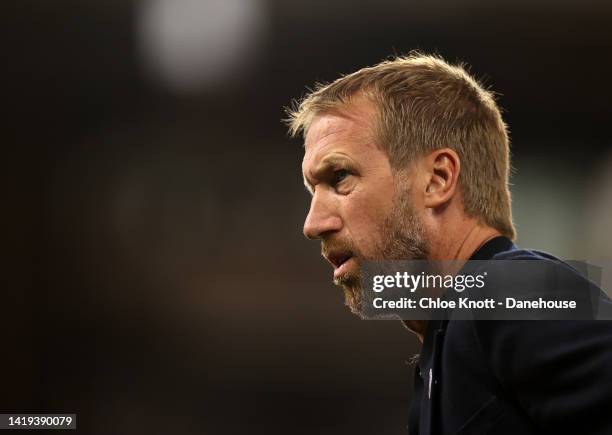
(436,327)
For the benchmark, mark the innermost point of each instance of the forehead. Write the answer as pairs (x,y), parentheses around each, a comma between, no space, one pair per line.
(348,132)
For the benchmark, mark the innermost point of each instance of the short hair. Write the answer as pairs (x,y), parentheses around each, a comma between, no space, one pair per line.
(423,103)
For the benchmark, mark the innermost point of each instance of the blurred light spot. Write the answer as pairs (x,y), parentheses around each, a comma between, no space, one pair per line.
(192,45)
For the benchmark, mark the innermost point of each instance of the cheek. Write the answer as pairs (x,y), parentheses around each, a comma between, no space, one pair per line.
(363,217)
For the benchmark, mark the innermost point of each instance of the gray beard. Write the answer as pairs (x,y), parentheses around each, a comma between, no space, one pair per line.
(402,237)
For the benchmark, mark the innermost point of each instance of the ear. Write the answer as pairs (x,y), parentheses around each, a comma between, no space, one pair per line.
(443,167)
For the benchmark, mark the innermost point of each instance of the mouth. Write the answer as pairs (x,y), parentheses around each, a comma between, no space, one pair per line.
(340,261)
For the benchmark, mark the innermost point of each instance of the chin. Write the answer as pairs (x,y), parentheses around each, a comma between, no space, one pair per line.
(352,299)
(350,282)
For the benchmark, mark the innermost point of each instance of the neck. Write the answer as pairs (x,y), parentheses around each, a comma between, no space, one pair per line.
(461,248)
(417,327)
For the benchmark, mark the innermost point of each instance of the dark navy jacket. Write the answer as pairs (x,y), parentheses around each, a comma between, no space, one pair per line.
(514,377)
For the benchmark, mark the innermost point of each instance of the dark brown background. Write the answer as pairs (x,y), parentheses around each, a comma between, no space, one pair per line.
(157,280)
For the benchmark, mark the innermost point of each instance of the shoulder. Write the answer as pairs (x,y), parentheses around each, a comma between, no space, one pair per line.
(535,272)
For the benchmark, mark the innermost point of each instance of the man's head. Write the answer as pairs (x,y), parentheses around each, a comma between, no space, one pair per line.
(396,157)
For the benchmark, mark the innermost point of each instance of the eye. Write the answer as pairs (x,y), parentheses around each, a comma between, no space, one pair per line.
(340,175)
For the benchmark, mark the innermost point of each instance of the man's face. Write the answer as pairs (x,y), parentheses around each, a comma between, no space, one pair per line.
(360,209)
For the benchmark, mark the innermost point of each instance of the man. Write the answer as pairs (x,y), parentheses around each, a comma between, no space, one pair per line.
(409,159)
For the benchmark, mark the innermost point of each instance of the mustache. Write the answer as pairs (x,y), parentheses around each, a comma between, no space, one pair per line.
(335,245)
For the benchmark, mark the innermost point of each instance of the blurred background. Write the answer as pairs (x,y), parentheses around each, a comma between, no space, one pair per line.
(156,278)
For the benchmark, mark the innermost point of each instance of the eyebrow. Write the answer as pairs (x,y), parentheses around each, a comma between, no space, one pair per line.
(324,165)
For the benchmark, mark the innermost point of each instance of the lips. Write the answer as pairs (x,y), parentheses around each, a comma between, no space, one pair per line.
(339,260)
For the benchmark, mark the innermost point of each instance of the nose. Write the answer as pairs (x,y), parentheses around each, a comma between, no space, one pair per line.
(322,217)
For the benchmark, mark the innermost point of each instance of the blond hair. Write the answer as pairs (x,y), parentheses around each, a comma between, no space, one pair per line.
(424,103)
